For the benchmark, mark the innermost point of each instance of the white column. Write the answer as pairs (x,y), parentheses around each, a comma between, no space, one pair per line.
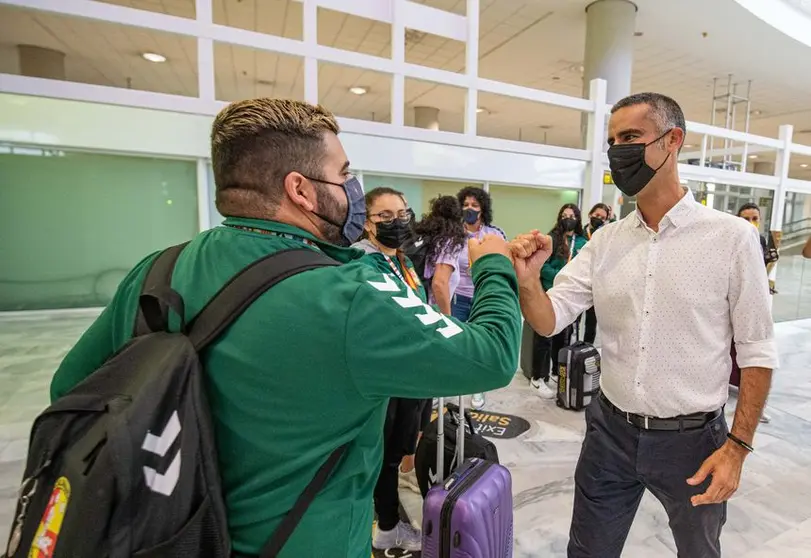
(310,63)
(41,62)
(595,143)
(609,55)
(206,88)
(426,117)
(398,57)
(781,168)
(610,26)
(472,67)
(203,196)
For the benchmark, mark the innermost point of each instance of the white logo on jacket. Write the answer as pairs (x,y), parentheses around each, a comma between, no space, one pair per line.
(411,300)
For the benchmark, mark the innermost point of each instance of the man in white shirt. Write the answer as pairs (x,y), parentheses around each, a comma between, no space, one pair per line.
(672,284)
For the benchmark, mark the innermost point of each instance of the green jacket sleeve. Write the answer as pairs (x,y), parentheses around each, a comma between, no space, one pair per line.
(398,346)
(111,330)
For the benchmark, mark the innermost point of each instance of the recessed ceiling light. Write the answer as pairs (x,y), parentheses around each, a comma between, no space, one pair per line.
(357,90)
(480,110)
(153,57)
(689,145)
(753,156)
(757,112)
(804,166)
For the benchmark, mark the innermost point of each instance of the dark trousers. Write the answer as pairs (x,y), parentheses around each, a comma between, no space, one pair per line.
(591,326)
(399,439)
(547,349)
(619,461)
(460,307)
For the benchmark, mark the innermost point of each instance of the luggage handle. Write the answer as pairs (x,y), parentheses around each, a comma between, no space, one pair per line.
(440,438)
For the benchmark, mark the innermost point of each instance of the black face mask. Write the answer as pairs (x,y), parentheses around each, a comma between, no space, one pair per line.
(629,170)
(471,216)
(568,225)
(393,235)
(596,223)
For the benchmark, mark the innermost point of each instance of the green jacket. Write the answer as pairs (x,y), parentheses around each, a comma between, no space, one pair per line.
(554,264)
(310,366)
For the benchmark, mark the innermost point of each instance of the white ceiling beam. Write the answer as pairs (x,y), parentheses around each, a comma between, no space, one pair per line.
(415,16)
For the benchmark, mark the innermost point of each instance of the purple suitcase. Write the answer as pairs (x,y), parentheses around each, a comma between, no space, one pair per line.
(471,514)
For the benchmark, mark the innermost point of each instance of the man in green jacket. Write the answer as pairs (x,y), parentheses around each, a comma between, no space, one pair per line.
(312,364)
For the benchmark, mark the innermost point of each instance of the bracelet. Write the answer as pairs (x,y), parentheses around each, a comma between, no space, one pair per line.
(741,443)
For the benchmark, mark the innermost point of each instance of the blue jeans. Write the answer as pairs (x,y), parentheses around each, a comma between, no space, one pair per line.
(619,461)
(460,307)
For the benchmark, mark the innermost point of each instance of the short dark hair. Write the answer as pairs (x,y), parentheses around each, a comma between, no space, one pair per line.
(372,195)
(481,196)
(256,143)
(747,206)
(664,111)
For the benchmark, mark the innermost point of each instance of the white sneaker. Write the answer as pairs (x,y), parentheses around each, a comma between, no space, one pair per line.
(543,390)
(403,537)
(477,401)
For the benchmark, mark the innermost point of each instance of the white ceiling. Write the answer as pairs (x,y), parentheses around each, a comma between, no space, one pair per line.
(536,43)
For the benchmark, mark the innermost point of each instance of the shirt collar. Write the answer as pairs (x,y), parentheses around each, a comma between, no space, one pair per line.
(679,214)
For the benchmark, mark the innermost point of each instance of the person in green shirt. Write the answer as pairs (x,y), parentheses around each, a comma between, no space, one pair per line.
(311,365)
(567,241)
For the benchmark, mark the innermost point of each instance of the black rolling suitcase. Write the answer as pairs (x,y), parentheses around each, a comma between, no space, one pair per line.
(533,350)
(578,373)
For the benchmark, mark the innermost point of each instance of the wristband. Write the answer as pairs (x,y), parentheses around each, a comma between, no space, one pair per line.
(741,443)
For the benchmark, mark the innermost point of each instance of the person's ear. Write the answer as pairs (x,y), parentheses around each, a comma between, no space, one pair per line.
(368,227)
(300,191)
(676,139)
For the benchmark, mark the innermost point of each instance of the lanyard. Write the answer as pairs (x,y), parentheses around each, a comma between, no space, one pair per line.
(407,279)
(571,248)
(295,237)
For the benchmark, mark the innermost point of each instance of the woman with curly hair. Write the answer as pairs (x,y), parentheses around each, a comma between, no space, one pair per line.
(477,213)
(442,229)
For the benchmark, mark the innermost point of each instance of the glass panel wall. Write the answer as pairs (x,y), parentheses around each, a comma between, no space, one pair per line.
(729,199)
(518,209)
(73,224)
(792,275)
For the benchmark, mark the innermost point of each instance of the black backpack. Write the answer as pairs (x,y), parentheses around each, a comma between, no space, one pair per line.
(125,465)
(416,248)
(425,460)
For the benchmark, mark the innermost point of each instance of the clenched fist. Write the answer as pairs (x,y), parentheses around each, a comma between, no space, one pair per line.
(530,251)
(490,244)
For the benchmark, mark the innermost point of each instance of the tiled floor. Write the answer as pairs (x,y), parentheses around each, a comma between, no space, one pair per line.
(770,517)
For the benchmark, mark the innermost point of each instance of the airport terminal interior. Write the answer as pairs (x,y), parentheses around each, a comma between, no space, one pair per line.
(105,118)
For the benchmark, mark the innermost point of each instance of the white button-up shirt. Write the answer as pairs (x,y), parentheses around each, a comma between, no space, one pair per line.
(668,305)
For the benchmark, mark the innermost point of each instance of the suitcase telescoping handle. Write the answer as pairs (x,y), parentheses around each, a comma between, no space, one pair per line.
(440,437)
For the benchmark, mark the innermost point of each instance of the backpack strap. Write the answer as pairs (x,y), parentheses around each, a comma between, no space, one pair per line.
(274,546)
(158,278)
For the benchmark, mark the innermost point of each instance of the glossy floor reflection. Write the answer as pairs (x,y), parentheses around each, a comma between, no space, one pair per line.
(770,517)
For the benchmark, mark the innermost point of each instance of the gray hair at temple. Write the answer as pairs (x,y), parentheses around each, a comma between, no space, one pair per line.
(664,111)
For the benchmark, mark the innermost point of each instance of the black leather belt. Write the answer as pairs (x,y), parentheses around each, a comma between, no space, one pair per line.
(680,423)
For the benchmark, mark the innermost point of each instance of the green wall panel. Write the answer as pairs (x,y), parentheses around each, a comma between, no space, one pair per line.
(73,224)
(518,210)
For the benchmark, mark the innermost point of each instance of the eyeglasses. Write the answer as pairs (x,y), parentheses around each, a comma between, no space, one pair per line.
(387,217)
